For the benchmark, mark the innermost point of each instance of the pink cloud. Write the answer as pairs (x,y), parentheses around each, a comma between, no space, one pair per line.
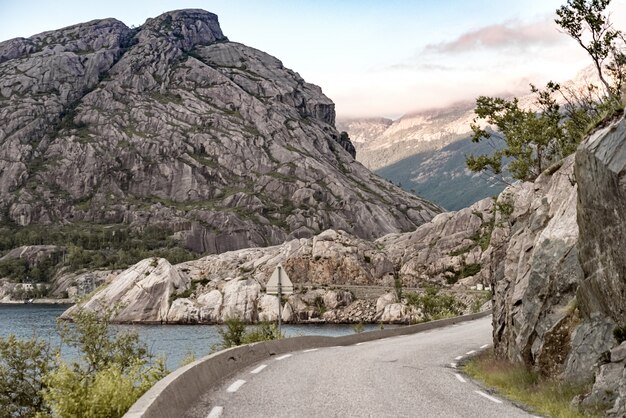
(507,35)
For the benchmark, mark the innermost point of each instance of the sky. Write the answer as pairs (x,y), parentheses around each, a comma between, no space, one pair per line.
(372,58)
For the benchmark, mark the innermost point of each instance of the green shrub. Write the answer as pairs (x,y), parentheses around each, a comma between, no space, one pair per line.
(235,333)
(112,371)
(358,327)
(23,364)
(108,392)
(435,305)
(265,331)
(620,334)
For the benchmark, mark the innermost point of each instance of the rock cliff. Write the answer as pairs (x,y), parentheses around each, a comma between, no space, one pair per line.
(558,268)
(170,124)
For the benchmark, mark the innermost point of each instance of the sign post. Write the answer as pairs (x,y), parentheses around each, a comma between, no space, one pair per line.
(279,284)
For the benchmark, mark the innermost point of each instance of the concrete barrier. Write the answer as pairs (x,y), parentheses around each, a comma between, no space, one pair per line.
(178,391)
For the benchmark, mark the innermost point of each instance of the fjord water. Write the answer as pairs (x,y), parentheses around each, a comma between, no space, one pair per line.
(172,341)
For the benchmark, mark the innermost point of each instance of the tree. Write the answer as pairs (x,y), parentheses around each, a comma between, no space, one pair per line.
(530,140)
(588,24)
(23,365)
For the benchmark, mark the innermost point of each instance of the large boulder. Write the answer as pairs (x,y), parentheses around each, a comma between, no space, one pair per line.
(240,300)
(139,294)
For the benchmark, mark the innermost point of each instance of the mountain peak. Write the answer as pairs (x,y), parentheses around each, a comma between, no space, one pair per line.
(189,27)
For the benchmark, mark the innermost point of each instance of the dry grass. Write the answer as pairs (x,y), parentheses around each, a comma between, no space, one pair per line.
(543,396)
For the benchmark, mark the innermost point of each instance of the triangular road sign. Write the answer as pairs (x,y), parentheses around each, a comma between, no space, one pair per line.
(279,278)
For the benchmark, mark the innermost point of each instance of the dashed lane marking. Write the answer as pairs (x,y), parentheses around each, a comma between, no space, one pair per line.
(453,365)
(284,356)
(459,378)
(458,357)
(216,412)
(310,350)
(491,398)
(258,369)
(470,352)
(484,346)
(235,386)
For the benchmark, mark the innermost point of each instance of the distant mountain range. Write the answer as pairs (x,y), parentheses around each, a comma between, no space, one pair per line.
(424,152)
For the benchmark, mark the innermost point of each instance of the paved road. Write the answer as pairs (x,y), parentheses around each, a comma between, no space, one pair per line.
(407,376)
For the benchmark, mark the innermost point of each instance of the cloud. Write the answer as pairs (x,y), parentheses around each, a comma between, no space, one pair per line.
(508,35)
(420,66)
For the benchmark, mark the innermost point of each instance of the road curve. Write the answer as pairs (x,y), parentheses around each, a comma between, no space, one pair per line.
(406,376)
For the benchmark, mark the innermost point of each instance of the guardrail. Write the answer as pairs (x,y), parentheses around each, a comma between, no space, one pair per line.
(177,392)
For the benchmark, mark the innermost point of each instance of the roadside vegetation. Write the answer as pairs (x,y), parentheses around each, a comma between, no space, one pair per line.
(435,305)
(235,332)
(112,370)
(545,396)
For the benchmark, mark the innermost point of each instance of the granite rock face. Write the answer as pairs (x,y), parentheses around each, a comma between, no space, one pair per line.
(535,269)
(601,175)
(338,277)
(170,124)
(558,268)
(138,294)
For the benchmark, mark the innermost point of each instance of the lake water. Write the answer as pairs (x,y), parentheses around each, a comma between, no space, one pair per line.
(172,341)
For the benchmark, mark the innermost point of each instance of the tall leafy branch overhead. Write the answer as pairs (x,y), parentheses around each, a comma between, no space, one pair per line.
(587,22)
(527,141)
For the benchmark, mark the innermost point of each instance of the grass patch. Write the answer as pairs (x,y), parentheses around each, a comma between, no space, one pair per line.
(542,395)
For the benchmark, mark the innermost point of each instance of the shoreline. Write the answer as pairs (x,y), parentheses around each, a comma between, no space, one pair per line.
(43,301)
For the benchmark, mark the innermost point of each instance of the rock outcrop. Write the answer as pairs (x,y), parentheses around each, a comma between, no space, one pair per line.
(170,124)
(338,277)
(535,269)
(558,268)
(138,294)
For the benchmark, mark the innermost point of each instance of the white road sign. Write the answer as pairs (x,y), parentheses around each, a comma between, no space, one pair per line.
(279,277)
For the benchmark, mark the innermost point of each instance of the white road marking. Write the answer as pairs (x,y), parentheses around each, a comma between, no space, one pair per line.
(360,343)
(258,369)
(235,386)
(459,378)
(284,356)
(216,412)
(470,352)
(491,398)
(484,346)
(458,357)
(310,349)
(453,365)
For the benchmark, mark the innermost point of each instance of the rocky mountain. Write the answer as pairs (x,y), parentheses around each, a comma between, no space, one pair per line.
(424,152)
(172,125)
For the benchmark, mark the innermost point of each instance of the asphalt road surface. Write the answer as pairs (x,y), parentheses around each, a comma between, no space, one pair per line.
(407,376)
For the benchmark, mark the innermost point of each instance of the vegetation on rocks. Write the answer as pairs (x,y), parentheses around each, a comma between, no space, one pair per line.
(111,372)
(528,140)
(435,305)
